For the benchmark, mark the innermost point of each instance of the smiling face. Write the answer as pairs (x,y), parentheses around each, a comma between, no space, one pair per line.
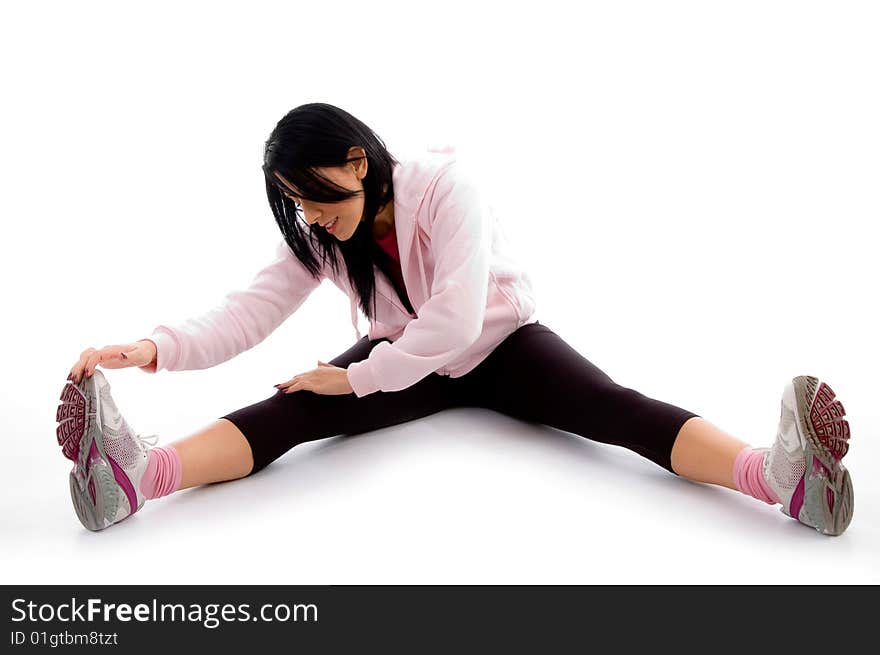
(342,217)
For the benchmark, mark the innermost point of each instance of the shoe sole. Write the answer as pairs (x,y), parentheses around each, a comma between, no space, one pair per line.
(94,489)
(827,492)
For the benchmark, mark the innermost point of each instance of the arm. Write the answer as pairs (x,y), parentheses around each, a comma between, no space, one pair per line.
(452,318)
(243,319)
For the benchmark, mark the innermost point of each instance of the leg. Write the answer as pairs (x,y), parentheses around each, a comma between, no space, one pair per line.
(215,453)
(704,453)
(273,426)
(536,376)
(247,440)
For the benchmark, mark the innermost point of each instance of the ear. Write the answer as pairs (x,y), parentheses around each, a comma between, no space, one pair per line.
(360,160)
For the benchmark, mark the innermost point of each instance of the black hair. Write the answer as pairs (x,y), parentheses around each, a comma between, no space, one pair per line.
(320,135)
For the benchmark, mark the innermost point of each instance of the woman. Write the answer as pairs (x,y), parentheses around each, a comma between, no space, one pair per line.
(452,324)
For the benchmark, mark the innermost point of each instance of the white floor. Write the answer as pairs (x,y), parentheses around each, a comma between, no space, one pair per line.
(697,212)
(464,496)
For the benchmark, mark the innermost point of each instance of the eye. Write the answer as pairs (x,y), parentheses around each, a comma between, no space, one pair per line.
(292,199)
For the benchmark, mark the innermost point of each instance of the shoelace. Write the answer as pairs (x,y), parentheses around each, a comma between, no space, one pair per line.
(154,437)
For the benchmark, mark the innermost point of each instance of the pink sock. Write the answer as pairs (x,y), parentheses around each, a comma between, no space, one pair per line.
(163,472)
(748,475)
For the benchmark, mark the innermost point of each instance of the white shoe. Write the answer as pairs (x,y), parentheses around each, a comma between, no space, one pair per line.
(803,466)
(109,458)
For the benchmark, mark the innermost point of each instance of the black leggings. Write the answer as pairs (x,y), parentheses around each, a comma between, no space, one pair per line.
(532,375)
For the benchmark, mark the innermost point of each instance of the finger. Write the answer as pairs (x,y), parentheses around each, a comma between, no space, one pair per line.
(296,386)
(94,360)
(76,371)
(284,385)
(81,364)
(88,367)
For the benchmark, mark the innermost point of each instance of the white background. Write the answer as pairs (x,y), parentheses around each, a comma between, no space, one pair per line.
(691,186)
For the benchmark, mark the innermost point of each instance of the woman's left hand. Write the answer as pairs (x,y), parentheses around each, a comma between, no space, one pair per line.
(326,379)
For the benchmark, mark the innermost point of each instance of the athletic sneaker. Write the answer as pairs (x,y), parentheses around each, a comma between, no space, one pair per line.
(803,466)
(109,458)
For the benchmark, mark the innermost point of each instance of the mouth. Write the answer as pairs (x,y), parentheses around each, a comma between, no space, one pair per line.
(329,226)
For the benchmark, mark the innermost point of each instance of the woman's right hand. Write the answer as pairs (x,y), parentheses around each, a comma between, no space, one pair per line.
(139,353)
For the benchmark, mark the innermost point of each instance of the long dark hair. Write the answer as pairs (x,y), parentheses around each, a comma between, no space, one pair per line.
(320,135)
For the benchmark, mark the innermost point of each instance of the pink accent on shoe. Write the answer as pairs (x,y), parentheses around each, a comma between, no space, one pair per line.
(797,500)
(123,481)
(748,475)
(121,477)
(163,473)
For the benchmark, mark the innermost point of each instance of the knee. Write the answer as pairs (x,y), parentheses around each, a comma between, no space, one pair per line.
(615,395)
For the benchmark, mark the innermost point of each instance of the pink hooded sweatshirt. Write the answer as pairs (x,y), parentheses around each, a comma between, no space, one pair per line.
(467,294)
